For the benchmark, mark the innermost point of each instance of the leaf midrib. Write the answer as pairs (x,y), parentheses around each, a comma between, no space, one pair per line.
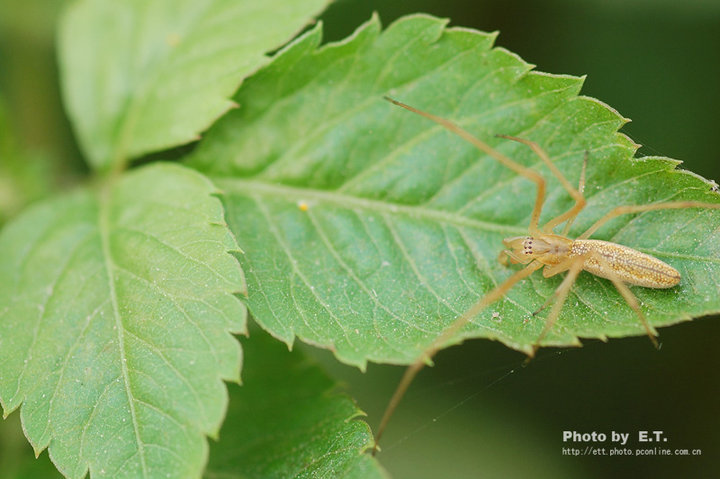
(104,231)
(294,194)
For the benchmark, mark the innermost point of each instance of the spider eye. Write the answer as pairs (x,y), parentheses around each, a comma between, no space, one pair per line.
(528,246)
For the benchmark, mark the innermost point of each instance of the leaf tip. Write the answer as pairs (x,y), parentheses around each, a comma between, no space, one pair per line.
(492,36)
(37,450)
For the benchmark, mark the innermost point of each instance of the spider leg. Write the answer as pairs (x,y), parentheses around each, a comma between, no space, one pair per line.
(629,297)
(412,370)
(573,266)
(581,189)
(484,147)
(549,271)
(623,210)
(580,202)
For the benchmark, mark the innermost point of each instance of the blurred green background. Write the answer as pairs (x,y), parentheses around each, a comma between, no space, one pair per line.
(478,413)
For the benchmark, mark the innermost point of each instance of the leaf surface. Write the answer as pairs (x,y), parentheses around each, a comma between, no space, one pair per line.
(142,76)
(115,312)
(287,420)
(368,229)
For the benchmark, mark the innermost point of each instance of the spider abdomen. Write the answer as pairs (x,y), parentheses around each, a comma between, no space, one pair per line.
(627,264)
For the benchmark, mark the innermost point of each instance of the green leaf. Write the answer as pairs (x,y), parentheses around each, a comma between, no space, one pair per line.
(287,420)
(368,229)
(143,76)
(115,312)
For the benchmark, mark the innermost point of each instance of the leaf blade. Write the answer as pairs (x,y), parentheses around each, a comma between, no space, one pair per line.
(369,230)
(185,61)
(287,403)
(122,350)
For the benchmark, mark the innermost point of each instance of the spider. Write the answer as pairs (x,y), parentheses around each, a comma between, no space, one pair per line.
(555,253)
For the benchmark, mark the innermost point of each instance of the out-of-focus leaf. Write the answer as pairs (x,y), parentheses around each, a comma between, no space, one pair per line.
(142,76)
(288,421)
